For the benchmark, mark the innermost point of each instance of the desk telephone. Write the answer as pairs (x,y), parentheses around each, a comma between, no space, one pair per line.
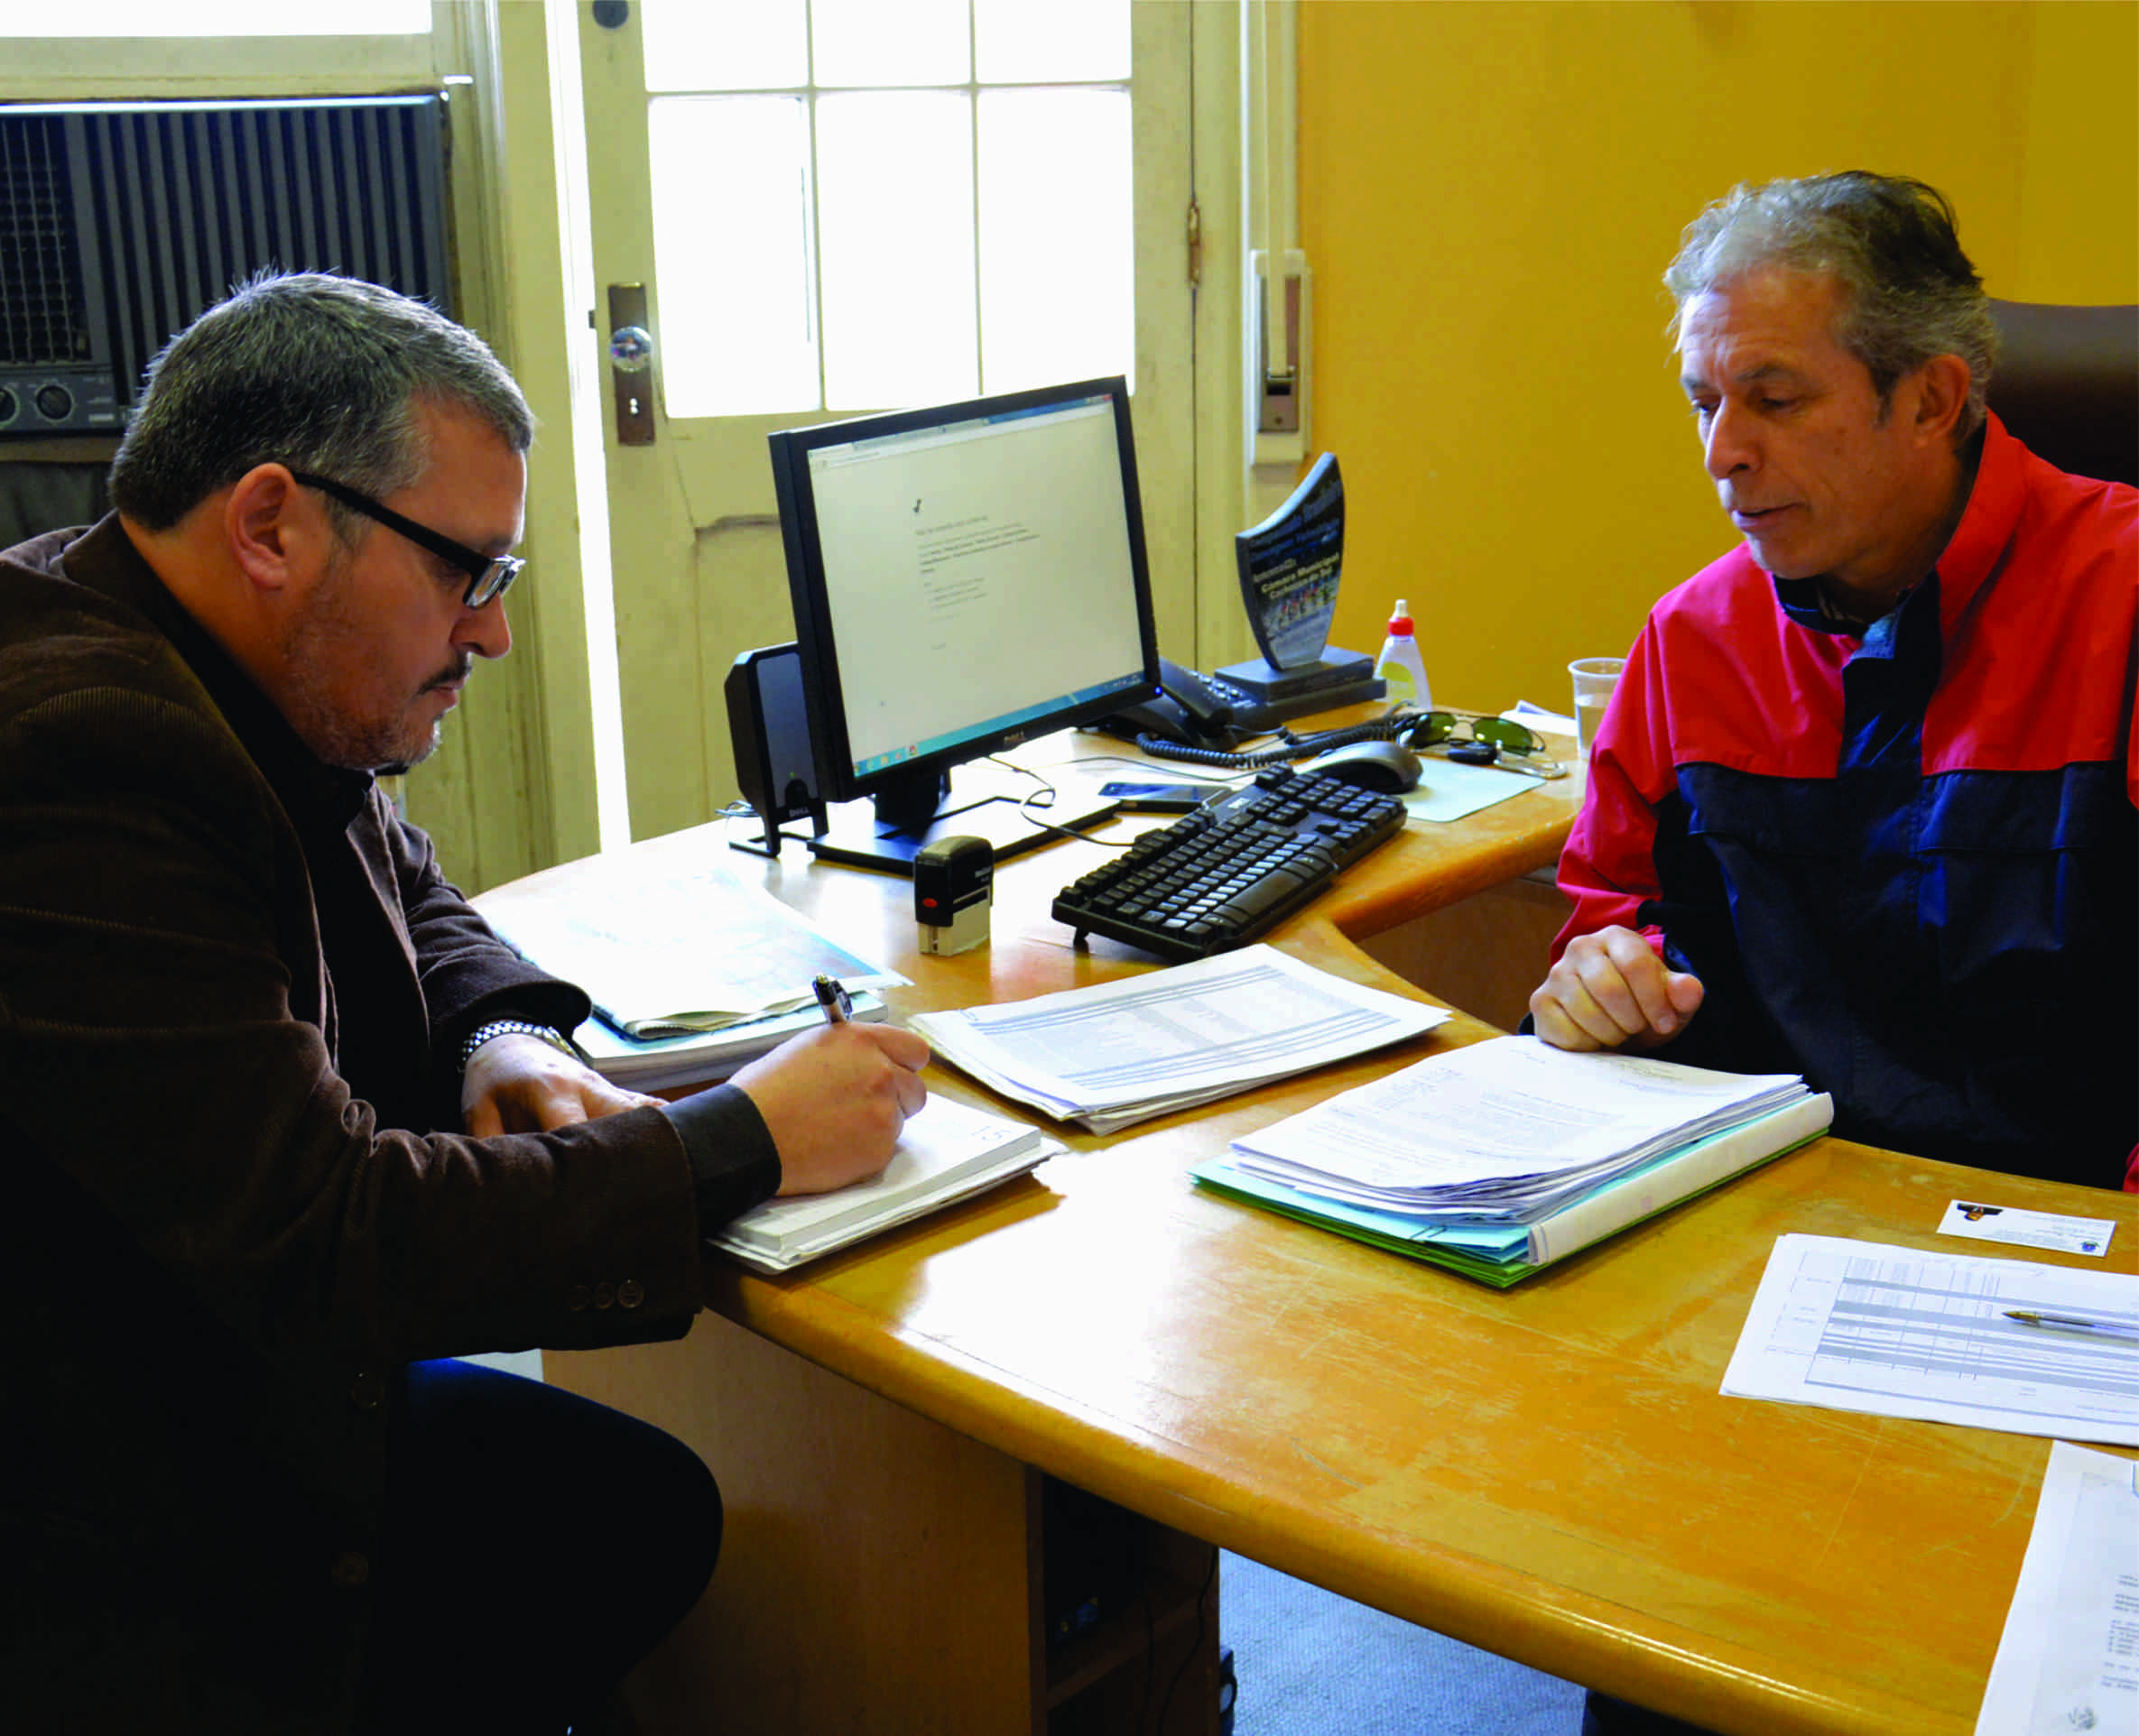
(1191,710)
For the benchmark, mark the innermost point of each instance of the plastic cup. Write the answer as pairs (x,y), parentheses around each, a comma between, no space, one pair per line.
(1595,678)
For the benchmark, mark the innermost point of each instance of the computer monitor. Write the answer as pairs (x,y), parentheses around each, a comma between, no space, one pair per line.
(963,578)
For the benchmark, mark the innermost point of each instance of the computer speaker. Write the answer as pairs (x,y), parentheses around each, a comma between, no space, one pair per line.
(768,723)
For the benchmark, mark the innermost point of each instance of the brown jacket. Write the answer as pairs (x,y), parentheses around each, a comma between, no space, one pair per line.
(232,982)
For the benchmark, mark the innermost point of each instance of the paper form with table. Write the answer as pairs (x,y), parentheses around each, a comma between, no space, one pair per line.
(1122,1052)
(2069,1659)
(1862,1325)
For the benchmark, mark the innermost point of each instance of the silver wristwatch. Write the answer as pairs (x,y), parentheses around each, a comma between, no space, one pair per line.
(511,1028)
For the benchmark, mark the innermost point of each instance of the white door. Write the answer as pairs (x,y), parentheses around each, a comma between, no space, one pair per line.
(856,205)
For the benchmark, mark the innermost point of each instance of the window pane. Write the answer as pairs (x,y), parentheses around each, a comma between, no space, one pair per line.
(219,18)
(891,41)
(732,253)
(1057,281)
(896,227)
(724,44)
(1030,42)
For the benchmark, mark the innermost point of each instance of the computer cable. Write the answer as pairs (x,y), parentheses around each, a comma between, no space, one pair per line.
(1394,726)
(1086,762)
(1045,794)
(1195,1647)
(1494,741)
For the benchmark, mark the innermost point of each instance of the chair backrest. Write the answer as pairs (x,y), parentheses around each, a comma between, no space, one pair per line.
(2066,385)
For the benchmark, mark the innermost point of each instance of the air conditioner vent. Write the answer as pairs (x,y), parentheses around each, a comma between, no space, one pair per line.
(139,215)
(42,315)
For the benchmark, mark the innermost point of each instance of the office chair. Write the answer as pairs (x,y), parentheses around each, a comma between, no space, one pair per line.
(2066,385)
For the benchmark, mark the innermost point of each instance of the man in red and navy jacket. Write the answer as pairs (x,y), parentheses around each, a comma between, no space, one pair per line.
(1863,807)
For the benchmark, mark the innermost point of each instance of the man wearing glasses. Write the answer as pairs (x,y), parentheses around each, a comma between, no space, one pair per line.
(284,1123)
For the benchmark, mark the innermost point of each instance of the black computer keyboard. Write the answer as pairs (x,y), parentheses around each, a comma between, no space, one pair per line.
(1218,877)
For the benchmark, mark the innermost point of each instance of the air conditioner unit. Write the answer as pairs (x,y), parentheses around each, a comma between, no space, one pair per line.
(120,222)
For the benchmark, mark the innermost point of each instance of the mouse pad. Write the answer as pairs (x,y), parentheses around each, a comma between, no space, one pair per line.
(1447,791)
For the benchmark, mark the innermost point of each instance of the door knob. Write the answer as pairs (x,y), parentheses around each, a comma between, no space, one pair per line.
(631,364)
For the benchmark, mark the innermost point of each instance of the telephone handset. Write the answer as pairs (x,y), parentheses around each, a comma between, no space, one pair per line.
(1187,712)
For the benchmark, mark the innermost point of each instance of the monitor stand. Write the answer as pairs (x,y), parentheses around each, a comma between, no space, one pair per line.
(885,833)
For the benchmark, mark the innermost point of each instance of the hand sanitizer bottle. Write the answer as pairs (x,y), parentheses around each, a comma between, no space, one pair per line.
(1400,666)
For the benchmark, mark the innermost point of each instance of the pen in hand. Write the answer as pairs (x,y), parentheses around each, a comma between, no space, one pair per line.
(832,996)
(2076,1322)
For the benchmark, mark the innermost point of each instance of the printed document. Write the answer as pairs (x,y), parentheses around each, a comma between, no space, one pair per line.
(1500,1244)
(1513,1124)
(664,954)
(1123,1051)
(946,1152)
(1860,1325)
(2068,1659)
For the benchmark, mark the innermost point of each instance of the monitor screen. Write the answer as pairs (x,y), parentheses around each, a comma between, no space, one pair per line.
(963,578)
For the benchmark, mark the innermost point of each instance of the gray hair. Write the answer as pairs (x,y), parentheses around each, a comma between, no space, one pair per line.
(1891,243)
(321,373)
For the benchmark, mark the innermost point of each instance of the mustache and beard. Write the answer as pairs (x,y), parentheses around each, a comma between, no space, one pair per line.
(337,699)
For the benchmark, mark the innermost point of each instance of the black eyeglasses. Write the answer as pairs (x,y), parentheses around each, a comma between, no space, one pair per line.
(488,576)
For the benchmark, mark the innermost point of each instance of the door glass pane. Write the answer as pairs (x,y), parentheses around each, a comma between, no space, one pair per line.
(1057,251)
(957,244)
(891,41)
(1020,41)
(724,44)
(895,234)
(731,247)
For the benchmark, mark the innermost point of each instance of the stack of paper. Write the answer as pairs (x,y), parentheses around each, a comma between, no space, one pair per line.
(1122,1052)
(1502,1156)
(691,972)
(945,1152)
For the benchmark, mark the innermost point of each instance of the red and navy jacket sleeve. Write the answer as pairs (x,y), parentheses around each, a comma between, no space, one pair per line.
(1905,865)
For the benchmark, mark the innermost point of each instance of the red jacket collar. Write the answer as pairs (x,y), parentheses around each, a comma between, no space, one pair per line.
(1986,532)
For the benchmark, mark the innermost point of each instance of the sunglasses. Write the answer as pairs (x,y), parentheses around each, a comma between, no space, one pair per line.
(1484,741)
(1432,726)
(488,576)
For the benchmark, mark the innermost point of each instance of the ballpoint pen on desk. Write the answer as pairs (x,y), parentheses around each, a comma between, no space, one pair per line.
(832,996)
(2074,1322)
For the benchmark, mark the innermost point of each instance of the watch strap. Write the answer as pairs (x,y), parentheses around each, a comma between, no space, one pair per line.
(496,1028)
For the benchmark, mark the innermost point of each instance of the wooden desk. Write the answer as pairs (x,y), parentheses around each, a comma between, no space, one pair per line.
(1549,1472)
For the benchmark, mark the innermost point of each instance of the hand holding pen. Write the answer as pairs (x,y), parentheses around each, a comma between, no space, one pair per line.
(835,1100)
(832,996)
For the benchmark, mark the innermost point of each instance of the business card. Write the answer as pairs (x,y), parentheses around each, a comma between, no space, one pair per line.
(2071,1235)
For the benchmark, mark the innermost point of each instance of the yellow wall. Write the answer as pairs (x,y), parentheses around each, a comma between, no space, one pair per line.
(1489,191)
